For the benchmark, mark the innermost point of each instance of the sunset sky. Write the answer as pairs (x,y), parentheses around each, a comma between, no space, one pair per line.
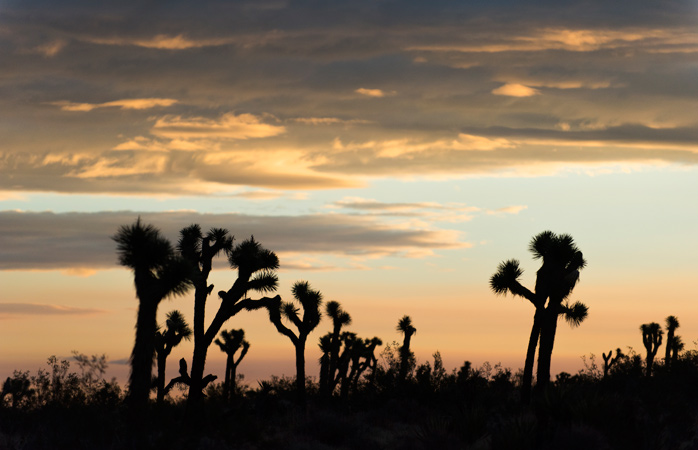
(391,153)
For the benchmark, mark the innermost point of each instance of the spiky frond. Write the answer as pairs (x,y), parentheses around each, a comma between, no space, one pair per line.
(141,247)
(508,273)
(541,244)
(308,297)
(249,257)
(575,314)
(175,277)
(177,324)
(334,310)
(405,326)
(672,323)
(265,281)
(231,341)
(220,240)
(290,311)
(189,244)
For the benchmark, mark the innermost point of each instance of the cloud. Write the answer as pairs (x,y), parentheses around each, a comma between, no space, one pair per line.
(515,90)
(134,103)
(228,126)
(163,42)
(38,309)
(50,241)
(327,121)
(507,210)
(373,92)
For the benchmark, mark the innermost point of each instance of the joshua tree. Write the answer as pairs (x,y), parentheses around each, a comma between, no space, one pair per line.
(310,301)
(672,323)
(231,342)
(676,347)
(555,281)
(176,329)
(608,361)
(405,327)
(339,318)
(652,339)
(255,266)
(158,273)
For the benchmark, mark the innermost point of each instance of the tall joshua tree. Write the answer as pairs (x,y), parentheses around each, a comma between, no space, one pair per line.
(158,273)
(652,339)
(176,329)
(339,318)
(310,301)
(199,250)
(555,280)
(255,272)
(672,323)
(230,342)
(405,327)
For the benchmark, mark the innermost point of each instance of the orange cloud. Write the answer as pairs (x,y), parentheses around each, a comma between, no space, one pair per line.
(515,90)
(228,126)
(134,103)
(373,92)
(164,42)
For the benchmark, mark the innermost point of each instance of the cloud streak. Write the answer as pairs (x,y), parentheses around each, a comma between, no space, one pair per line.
(40,309)
(49,241)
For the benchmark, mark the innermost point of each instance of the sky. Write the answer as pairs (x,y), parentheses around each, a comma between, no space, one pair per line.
(392,154)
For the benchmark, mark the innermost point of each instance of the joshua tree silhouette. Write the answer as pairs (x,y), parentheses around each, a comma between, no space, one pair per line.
(555,281)
(652,339)
(310,300)
(608,361)
(231,342)
(672,323)
(158,273)
(176,329)
(405,327)
(255,266)
(330,346)
(676,347)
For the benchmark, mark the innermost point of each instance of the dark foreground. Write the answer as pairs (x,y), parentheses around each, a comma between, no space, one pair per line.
(467,409)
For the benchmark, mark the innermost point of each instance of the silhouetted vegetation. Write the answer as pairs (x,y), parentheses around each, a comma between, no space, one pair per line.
(358,400)
(555,281)
(229,343)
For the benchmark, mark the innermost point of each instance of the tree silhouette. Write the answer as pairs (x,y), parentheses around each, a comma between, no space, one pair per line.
(331,346)
(652,339)
(677,346)
(230,342)
(672,323)
(158,273)
(555,281)
(405,327)
(255,272)
(176,329)
(310,301)
(608,361)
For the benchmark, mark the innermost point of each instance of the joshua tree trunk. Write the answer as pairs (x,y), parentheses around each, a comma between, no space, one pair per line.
(198,362)
(547,342)
(300,369)
(162,364)
(141,377)
(530,359)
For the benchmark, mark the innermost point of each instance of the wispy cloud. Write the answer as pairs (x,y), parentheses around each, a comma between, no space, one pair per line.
(328,121)
(228,126)
(374,92)
(163,42)
(39,309)
(515,90)
(133,103)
